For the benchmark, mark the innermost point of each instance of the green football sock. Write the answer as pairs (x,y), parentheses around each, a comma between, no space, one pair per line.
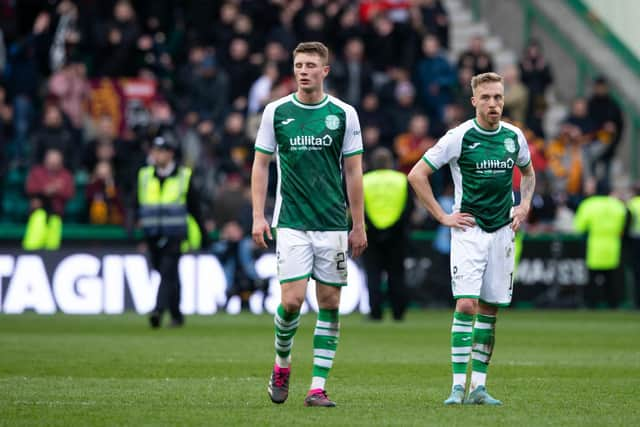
(286,325)
(460,346)
(325,343)
(483,341)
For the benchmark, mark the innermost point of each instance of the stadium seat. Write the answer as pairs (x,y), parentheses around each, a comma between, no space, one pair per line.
(76,208)
(15,205)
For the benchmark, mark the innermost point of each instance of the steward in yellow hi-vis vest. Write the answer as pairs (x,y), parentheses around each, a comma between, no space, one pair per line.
(604,218)
(387,205)
(169,215)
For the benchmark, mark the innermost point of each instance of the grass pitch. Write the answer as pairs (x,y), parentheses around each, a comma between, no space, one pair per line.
(549,368)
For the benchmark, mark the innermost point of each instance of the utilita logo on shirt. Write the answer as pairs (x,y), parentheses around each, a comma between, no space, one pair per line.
(310,142)
(494,166)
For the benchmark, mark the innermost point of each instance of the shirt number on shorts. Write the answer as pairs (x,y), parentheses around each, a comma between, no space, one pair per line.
(341,261)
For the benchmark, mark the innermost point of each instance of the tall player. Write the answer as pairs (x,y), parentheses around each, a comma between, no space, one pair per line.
(481,153)
(310,133)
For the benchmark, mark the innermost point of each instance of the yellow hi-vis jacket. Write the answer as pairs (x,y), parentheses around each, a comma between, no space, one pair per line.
(385,196)
(163,207)
(603,219)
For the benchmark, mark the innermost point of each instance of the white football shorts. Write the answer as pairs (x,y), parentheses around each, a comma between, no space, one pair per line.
(318,254)
(482,264)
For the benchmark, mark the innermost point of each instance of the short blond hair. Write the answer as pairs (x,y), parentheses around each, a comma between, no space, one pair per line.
(314,48)
(479,79)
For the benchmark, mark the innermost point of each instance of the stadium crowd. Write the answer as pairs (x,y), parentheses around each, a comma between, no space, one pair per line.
(94,80)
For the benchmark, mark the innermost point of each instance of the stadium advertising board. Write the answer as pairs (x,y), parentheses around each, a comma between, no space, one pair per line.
(112,281)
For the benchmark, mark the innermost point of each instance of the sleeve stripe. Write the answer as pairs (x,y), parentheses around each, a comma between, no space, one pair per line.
(429,163)
(525,165)
(353,153)
(263,150)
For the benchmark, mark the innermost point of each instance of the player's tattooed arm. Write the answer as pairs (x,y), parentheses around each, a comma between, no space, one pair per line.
(527,186)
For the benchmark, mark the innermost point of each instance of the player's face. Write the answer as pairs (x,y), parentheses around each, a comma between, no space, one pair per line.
(309,71)
(489,102)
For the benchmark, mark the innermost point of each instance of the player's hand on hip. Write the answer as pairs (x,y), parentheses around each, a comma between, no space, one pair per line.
(259,229)
(459,220)
(357,241)
(520,214)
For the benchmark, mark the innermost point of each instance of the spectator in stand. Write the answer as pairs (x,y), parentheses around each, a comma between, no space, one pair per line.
(49,186)
(429,16)
(103,197)
(371,141)
(435,78)
(543,207)
(242,72)
(608,121)
(275,52)
(351,76)
(223,32)
(371,114)
(411,145)
(207,167)
(516,95)
(70,86)
(54,134)
(311,25)
(260,91)
(593,148)
(453,116)
(536,75)
(348,26)
(6,120)
(235,147)
(243,29)
(117,41)
(266,16)
(398,97)
(232,216)
(566,167)
(382,46)
(103,147)
(537,147)
(26,58)
(201,78)
(462,91)
(579,116)
(283,33)
(476,57)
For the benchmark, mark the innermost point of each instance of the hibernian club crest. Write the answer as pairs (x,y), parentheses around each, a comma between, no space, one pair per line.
(332,122)
(510,145)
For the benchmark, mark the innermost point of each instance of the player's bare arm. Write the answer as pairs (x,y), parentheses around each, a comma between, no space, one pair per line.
(527,185)
(353,177)
(259,183)
(419,180)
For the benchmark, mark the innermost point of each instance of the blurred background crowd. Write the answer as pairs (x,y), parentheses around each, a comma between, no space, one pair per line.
(86,83)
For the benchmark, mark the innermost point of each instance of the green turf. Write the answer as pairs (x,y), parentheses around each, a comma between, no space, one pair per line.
(549,368)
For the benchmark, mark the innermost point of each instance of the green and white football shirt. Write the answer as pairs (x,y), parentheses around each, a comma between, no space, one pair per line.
(309,141)
(482,163)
